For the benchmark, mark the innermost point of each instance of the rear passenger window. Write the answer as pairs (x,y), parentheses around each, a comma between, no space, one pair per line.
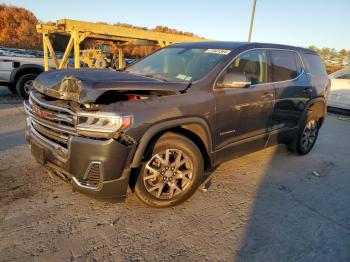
(285,65)
(314,65)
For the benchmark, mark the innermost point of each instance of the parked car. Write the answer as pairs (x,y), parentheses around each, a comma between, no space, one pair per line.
(340,89)
(168,118)
(18,73)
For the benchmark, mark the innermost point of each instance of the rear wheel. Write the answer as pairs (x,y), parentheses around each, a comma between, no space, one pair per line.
(172,172)
(306,138)
(24,85)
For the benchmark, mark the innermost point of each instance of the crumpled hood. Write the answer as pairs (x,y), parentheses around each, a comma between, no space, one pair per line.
(86,85)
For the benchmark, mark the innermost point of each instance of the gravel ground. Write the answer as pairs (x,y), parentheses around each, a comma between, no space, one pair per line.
(266,206)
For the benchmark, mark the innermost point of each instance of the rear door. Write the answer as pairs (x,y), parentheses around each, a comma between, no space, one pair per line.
(292,88)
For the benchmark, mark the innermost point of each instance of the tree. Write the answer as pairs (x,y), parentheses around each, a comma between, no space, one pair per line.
(17,28)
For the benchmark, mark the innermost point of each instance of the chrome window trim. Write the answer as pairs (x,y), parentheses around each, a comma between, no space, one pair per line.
(268,83)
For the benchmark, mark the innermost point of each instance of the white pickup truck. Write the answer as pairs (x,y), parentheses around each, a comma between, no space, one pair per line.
(17,73)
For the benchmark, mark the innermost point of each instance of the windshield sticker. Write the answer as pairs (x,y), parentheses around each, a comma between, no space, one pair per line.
(181,76)
(218,51)
(184,77)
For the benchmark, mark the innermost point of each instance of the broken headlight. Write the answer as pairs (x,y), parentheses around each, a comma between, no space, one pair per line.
(103,125)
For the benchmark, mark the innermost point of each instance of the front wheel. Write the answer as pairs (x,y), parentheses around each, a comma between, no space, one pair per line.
(306,138)
(24,85)
(172,172)
(12,89)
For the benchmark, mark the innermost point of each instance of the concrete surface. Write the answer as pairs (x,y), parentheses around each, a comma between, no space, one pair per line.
(266,206)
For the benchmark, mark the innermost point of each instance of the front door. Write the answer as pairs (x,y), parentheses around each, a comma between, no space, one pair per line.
(243,114)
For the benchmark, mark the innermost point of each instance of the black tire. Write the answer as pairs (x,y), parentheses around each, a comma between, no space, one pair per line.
(306,137)
(12,89)
(175,187)
(22,83)
(101,63)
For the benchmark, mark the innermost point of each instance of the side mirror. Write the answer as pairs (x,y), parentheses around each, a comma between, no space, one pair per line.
(234,80)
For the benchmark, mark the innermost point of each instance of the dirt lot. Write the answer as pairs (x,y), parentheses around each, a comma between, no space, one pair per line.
(266,206)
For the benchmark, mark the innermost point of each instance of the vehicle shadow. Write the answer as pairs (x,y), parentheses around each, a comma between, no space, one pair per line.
(300,210)
(6,97)
(9,140)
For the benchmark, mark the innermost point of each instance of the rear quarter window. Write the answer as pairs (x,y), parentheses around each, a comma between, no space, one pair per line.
(314,65)
(285,65)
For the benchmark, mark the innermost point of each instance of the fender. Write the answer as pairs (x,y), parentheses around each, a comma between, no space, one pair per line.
(318,106)
(25,67)
(195,124)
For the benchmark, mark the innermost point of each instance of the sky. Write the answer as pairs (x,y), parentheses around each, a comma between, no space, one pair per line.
(295,22)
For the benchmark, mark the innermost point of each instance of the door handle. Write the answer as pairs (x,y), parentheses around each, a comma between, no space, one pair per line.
(308,90)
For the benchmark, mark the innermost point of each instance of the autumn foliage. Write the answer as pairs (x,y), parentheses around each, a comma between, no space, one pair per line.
(17,28)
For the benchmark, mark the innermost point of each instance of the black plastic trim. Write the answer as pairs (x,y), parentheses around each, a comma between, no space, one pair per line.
(151,132)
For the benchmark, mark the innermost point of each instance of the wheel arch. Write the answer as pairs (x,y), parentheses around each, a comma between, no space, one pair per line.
(318,107)
(196,129)
(23,70)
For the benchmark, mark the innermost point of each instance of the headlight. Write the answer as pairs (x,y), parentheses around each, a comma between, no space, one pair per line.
(101,124)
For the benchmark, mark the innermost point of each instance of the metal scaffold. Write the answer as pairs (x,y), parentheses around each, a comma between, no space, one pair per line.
(78,31)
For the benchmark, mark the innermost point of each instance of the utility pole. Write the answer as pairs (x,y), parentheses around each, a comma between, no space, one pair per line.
(252,22)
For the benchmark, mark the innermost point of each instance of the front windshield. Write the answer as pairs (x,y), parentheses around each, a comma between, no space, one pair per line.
(178,64)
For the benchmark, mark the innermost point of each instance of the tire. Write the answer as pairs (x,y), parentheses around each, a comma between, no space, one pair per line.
(307,136)
(174,167)
(101,63)
(23,85)
(12,89)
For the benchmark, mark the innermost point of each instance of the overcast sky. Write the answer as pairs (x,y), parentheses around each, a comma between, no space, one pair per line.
(295,22)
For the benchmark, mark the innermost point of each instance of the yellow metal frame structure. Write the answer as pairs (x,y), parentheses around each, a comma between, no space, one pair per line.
(79,30)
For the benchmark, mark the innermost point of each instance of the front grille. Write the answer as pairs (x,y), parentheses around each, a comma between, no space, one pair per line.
(51,118)
(92,176)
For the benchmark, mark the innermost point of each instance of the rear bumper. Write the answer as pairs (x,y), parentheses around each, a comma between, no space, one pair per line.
(105,163)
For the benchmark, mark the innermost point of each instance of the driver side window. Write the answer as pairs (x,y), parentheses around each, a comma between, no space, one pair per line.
(253,64)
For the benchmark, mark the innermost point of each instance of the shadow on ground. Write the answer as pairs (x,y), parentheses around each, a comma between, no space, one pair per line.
(301,210)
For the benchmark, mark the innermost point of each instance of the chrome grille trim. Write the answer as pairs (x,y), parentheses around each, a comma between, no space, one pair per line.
(50,106)
(57,117)
(60,152)
(55,123)
(61,138)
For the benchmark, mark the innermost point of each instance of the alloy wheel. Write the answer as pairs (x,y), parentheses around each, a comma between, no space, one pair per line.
(168,174)
(309,134)
(28,86)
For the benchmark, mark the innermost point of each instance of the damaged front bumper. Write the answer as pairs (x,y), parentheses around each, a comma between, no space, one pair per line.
(99,168)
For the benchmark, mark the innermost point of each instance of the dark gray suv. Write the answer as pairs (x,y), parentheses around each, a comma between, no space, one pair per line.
(158,125)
